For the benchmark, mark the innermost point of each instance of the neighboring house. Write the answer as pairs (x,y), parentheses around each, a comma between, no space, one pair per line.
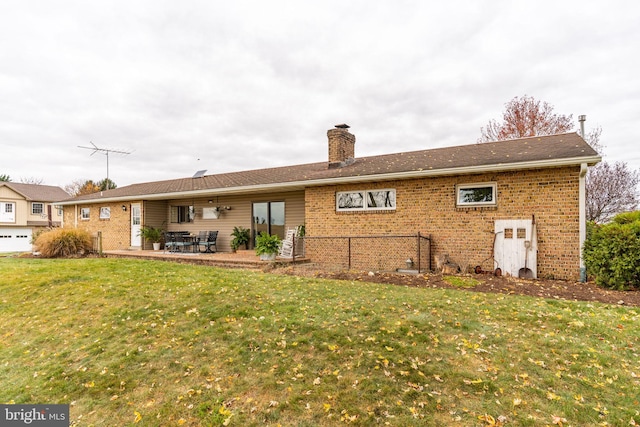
(469,199)
(24,208)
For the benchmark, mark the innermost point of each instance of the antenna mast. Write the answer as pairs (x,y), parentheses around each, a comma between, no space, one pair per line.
(106,151)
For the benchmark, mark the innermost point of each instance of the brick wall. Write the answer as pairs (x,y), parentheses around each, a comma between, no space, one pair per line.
(466,234)
(116,231)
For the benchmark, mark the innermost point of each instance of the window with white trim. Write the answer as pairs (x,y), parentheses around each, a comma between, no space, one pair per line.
(366,200)
(7,212)
(84,214)
(478,194)
(37,208)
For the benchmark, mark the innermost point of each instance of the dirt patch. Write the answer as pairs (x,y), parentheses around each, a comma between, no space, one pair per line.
(559,289)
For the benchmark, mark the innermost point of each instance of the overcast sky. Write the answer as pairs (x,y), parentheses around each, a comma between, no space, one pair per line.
(237,85)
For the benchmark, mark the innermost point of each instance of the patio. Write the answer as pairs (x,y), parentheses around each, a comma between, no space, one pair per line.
(240,259)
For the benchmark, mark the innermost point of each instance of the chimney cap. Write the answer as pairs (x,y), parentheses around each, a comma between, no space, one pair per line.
(343,126)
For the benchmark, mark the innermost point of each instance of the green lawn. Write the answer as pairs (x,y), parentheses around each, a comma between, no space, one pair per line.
(129,342)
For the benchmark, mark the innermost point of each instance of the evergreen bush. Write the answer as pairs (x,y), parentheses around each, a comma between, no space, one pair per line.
(612,252)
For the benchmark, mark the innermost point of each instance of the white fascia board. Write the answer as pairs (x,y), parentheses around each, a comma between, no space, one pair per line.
(300,185)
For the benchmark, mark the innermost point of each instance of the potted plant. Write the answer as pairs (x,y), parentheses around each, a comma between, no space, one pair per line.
(153,235)
(241,236)
(267,246)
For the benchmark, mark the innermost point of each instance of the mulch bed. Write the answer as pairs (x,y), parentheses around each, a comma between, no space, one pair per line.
(558,289)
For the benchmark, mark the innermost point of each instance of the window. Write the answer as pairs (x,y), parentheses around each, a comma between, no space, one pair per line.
(37,208)
(84,214)
(481,194)
(7,212)
(182,214)
(105,212)
(366,200)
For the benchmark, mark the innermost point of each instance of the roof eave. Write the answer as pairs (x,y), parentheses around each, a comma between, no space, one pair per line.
(300,185)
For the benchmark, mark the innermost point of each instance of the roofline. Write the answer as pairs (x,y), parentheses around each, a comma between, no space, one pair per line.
(300,185)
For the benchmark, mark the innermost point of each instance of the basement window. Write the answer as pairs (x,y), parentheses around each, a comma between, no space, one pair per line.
(366,200)
(481,194)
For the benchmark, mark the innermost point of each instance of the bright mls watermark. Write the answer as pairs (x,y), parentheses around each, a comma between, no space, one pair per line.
(34,415)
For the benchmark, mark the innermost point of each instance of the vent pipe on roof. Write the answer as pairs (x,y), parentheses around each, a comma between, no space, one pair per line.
(582,119)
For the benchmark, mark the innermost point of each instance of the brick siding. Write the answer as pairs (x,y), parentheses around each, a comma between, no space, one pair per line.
(428,206)
(116,231)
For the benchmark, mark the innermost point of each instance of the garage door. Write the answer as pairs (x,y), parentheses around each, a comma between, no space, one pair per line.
(15,240)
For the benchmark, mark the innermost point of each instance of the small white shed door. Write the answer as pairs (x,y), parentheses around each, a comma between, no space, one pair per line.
(15,239)
(512,238)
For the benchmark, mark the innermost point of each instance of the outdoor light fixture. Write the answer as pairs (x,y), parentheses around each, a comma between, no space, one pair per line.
(210,201)
(227,208)
(124,208)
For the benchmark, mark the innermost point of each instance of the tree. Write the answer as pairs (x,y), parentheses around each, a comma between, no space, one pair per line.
(524,117)
(611,189)
(5,178)
(106,184)
(32,180)
(89,187)
(79,187)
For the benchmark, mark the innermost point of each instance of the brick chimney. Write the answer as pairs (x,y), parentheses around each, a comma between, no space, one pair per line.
(341,146)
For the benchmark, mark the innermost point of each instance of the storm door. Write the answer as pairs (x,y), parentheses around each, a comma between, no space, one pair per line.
(136,239)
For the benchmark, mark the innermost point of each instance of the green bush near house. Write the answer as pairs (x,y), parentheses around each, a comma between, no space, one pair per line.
(612,252)
(241,236)
(267,244)
(63,242)
(152,234)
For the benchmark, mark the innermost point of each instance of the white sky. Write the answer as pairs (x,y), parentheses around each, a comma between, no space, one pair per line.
(237,85)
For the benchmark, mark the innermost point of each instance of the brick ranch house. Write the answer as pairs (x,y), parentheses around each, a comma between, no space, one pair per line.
(478,204)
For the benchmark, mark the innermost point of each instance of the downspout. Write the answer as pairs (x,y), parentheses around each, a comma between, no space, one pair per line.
(583,218)
(75,216)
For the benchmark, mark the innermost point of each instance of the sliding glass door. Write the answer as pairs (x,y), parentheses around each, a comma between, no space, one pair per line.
(268,217)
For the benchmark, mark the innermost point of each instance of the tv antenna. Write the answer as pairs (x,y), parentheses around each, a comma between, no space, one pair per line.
(106,152)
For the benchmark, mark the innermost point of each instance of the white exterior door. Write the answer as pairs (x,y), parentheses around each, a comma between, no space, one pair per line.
(136,220)
(512,238)
(15,239)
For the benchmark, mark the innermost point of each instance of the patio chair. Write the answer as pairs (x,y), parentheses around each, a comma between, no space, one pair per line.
(170,241)
(184,241)
(209,242)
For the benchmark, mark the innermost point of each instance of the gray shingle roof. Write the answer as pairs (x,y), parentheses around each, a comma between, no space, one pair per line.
(543,150)
(37,192)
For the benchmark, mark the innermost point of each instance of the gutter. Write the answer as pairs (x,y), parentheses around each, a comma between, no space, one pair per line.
(583,218)
(301,185)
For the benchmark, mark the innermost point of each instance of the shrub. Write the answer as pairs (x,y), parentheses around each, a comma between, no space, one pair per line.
(612,252)
(241,236)
(267,244)
(63,242)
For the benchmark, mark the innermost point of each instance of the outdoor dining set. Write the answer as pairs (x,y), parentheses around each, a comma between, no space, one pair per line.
(185,241)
